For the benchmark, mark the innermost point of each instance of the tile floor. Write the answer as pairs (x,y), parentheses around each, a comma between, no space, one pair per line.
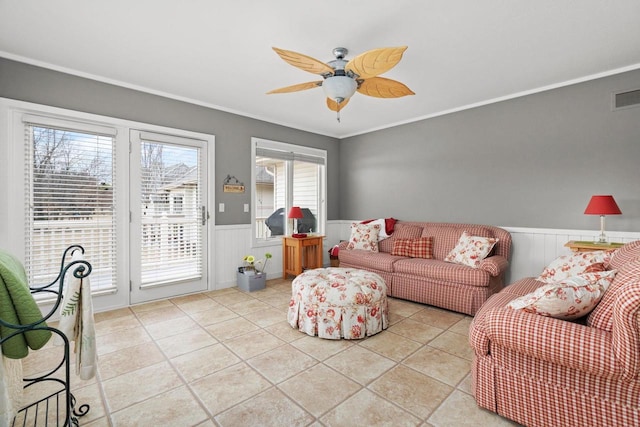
(229,358)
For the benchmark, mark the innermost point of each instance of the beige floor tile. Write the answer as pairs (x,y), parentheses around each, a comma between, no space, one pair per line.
(101,422)
(204,361)
(151,306)
(285,332)
(411,390)
(416,331)
(42,360)
(118,340)
(461,410)
(219,292)
(404,308)
(266,317)
(176,407)
(438,317)
(462,327)
(213,315)
(231,298)
(253,343)
(196,306)
(319,389)
(185,299)
(118,324)
(111,314)
(185,342)
(207,423)
(281,363)
(90,395)
(390,345)
(136,386)
(321,348)
(269,408)
(160,315)
(369,410)
(231,328)
(453,343)
(394,318)
(360,364)
(172,327)
(224,389)
(438,364)
(128,359)
(465,385)
(251,306)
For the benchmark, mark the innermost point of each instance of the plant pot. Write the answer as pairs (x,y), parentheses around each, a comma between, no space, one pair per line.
(250,283)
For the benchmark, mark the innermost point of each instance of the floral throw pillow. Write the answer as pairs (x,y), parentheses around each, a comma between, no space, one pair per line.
(567,266)
(364,236)
(421,247)
(471,250)
(567,299)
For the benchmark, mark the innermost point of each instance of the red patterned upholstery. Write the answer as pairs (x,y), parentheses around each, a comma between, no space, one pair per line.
(541,371)
(432,281)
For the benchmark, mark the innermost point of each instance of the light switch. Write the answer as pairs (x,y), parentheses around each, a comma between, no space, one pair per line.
(246,207)
(220,207)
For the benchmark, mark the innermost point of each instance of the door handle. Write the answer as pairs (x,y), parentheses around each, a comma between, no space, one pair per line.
(205,215)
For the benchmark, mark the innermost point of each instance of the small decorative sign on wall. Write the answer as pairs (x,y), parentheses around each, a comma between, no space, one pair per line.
(232,187)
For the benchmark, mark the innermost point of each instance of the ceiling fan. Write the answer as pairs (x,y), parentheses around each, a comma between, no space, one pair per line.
(342,78)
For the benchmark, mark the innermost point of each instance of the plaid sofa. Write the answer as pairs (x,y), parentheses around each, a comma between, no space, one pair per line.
(542,371)
(433,281)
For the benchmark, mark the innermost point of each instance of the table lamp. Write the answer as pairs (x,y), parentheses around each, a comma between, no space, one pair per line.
(602,205)
(294,213)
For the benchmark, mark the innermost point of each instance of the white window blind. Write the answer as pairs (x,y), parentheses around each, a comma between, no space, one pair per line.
(70,198)
(287,175)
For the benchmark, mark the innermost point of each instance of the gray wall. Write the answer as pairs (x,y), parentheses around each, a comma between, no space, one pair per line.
(533,161)
(233,133)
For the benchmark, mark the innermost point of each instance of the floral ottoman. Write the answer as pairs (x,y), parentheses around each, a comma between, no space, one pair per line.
(339,302)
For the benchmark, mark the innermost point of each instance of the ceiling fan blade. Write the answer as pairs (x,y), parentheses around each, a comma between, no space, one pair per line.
(296,88)
(334,106)
(375,62)
(381,87)
(304,62)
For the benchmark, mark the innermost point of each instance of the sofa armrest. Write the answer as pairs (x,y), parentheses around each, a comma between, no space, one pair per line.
(557,341)
(343,245)
(494,265)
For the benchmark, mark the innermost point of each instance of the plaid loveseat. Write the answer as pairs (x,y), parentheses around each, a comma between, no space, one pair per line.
(433,281)
(542,371)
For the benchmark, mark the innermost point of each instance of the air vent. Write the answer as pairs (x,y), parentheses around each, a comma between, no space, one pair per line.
(627,99)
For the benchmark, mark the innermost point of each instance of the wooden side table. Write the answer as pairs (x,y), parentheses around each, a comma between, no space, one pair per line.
(587,246)
(300,253)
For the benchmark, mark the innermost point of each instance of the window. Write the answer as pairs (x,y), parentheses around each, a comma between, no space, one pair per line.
(70,198)
(286,175)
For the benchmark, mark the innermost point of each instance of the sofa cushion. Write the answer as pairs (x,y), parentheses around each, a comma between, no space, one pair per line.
(567,299)
(366,259)
(422,247)
(401,231)
(566,266)
(602,316)
(471,250)
(442,271)
(446,237)
(364,236)
(628,253)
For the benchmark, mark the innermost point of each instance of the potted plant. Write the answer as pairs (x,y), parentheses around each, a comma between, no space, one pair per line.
(251,275)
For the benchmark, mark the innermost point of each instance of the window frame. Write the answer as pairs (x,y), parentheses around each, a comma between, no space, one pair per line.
(322,186)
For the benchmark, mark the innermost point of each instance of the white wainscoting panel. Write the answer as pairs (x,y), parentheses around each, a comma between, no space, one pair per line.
(233,242)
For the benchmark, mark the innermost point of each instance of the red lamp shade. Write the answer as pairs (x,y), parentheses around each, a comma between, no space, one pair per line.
(295,212)
(602,205)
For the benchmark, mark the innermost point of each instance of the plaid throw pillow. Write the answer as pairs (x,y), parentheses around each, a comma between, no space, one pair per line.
(421,247)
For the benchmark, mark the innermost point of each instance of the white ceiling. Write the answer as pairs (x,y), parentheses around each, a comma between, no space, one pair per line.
(218,53)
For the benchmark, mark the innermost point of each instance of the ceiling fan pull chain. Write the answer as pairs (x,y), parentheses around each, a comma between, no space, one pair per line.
(338,118)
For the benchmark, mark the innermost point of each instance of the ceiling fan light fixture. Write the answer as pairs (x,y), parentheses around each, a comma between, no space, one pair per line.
(339,88)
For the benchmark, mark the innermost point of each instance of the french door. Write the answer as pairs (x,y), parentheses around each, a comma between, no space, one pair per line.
(168,216)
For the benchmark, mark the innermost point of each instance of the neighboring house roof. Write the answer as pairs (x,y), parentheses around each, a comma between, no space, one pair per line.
(263,177)
(179,176)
